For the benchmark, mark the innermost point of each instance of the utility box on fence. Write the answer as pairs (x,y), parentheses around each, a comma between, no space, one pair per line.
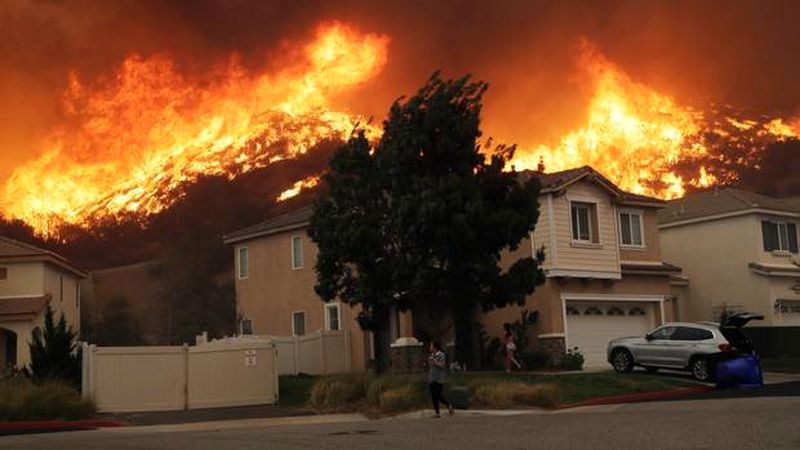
(128,379)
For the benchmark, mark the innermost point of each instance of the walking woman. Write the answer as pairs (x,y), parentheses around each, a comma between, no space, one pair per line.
(510,342)
(437,361)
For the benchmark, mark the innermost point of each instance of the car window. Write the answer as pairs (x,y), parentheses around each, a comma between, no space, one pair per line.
(663,333)
(691,334)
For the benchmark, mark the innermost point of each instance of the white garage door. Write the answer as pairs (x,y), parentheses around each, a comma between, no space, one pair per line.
(591,325)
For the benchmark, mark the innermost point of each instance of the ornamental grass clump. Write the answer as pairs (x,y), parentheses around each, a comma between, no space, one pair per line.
(510,394)
(25,400)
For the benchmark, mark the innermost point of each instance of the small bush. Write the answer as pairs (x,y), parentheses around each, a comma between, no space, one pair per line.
(338,392)
(402,398)
(572,360)
(535,359)
(508,394)
(24,400)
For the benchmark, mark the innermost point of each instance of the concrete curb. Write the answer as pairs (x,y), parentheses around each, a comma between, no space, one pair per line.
(637,397)
(29,426)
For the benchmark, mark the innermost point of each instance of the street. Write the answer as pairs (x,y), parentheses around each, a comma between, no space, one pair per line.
(734,422)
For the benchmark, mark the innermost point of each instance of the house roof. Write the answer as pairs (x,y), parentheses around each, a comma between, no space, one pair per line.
(722,202)
(285,222)
(22,307)
(12,250)
(550,182)
(558,181)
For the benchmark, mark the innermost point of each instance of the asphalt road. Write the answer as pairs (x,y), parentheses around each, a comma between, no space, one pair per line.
(741,423)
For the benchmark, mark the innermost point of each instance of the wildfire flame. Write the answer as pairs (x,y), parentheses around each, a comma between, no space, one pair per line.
(636,136)
(132,139)
(298,187)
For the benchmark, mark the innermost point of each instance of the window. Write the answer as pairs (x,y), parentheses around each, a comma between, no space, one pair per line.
(630,229)
(663,333)
(332,317)
(572,311)
(244,263)
(593,311)
(247,326)
(584,222)
(779,236)
(636,311)
(691,334)
(788,306)
(614,311)
(3,273)
(298,323)
(297,252)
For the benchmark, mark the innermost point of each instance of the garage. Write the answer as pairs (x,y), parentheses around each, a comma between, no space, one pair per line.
(591,325)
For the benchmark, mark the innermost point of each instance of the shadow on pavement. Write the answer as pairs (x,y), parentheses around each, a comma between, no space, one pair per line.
(789,389)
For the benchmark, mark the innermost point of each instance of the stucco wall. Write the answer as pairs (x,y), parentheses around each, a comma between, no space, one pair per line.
(715,256)
(23,279)
(273,290)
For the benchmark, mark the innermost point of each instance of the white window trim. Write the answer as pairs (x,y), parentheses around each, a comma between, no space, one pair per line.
(300,240)
(639,213)
(328,307)
(239,262)
(252,326)
(581,242)
(783,246)
(303,312)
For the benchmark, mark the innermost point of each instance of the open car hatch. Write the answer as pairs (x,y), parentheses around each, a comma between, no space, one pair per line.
(739,320)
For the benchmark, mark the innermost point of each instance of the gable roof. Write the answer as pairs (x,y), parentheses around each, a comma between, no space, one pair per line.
(12,250)
(728,201)
(290,221)
(556,182)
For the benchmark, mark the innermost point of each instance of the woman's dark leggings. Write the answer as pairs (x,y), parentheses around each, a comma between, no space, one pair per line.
(436,396)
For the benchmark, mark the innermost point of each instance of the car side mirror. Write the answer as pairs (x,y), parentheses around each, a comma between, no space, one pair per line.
(648,337)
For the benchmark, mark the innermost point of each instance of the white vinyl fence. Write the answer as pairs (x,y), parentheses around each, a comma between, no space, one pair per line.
(125,379)
(319,353)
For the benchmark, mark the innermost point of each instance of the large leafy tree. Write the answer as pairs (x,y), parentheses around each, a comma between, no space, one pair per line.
(420,220)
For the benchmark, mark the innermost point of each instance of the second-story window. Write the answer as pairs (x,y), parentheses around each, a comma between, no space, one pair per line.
(297,252)
(332,317)
(584,222)
(243,262)
(779,236)
(630,228)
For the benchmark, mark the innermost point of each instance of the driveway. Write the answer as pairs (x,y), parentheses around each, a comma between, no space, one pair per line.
(742,423)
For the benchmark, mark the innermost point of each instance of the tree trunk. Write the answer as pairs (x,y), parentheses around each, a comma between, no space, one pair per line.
(464,323)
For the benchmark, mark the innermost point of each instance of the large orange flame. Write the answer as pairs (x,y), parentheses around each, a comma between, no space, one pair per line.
(636,136)
(135,137)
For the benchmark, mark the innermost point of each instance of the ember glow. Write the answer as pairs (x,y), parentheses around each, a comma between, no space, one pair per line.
(636,136)
(298,187)
(133,138)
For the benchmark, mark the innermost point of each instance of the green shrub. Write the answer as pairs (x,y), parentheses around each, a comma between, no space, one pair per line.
(535,359)
(572,360)
(24,400)
(507,394)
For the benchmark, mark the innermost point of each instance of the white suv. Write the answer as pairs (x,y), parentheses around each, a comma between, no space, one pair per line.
(692,346)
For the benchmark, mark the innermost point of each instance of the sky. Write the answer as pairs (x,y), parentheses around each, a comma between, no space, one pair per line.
(742,53)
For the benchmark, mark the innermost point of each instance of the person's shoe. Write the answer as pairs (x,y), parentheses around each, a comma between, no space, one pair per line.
(436,416)
(451,410)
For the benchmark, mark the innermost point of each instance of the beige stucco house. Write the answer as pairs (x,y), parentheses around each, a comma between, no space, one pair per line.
(30,279)
(605,275)
(740,251)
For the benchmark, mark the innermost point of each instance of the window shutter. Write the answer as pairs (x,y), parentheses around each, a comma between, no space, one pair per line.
(770,232)
(792,231)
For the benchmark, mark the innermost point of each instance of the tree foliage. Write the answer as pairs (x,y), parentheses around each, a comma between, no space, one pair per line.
(54,352)
(419,221)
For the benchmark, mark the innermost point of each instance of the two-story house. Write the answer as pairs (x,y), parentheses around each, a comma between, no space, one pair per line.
(740,251)
(30,279)
(605,276)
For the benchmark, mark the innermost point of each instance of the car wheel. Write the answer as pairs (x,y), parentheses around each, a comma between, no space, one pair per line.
(701,371)
(622,360)
(651,369)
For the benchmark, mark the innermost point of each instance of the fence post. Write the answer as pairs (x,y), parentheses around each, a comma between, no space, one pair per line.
(322,352)
(185,376)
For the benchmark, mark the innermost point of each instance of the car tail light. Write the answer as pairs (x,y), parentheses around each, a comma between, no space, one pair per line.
(725,347)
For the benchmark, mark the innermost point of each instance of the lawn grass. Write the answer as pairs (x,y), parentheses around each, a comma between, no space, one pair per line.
(784,364)
(381,395)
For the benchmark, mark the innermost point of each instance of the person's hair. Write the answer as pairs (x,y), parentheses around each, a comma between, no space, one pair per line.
(437,344)
(507,327)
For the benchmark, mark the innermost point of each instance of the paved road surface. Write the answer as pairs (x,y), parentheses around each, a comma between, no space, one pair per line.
(755,422)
